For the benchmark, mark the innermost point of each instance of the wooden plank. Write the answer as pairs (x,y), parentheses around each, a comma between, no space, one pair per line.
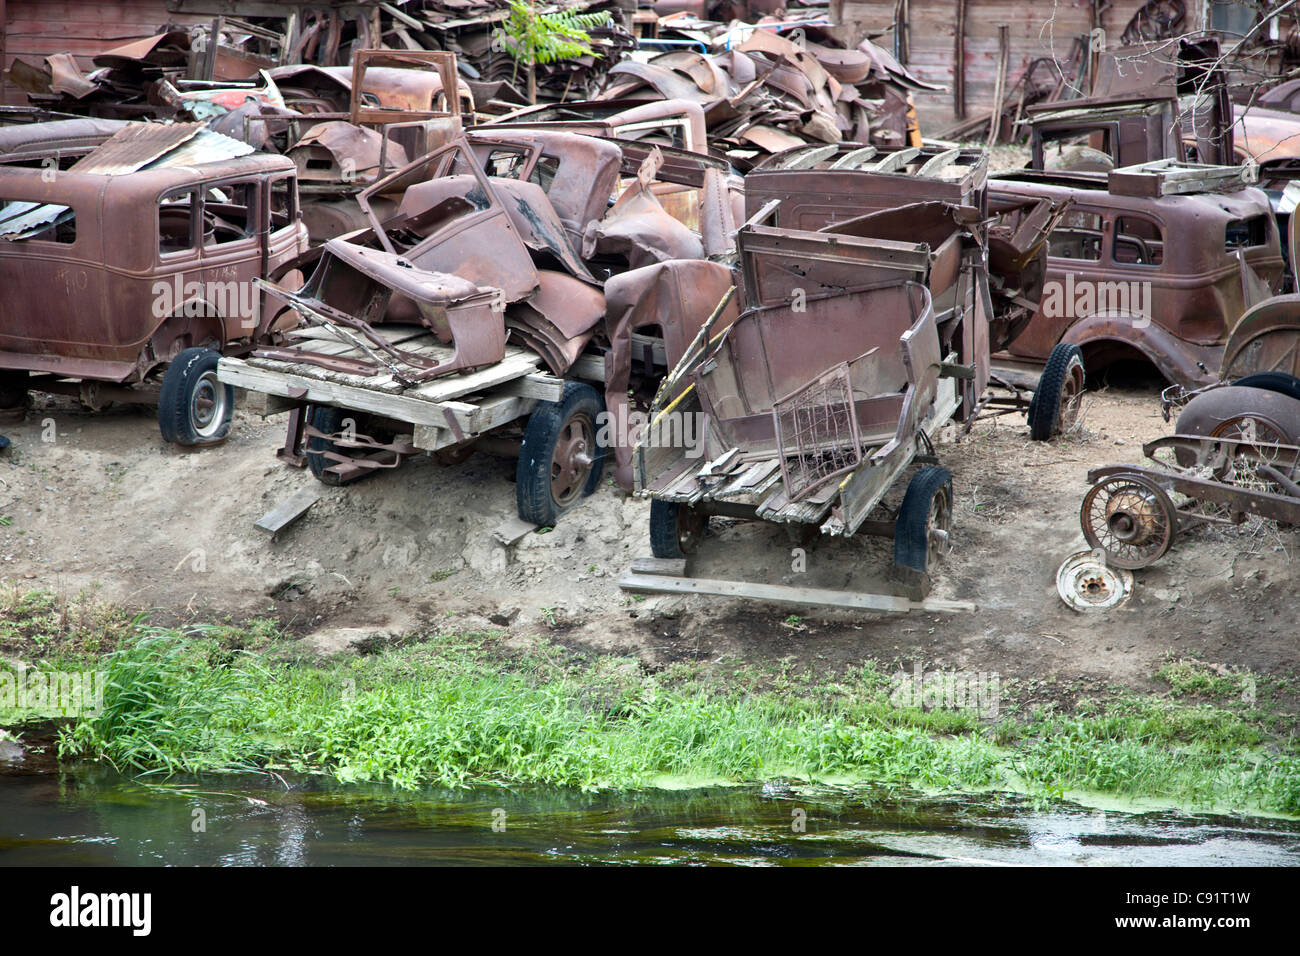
(589,367)
(432,438)
(287,511)
(511,531)
(786,594)
(540,385)
(420,406)
(268,405)
(494,412)
(671,566)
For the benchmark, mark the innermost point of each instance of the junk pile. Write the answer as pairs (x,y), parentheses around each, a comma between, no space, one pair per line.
(511,233)
(770,87)
(162,76)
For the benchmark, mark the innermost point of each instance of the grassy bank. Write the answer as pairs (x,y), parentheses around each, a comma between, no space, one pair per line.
(454,708)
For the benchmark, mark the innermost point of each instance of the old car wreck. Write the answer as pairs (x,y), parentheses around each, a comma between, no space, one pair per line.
(867,318)
(1118,286)
(129,272)
(516,273)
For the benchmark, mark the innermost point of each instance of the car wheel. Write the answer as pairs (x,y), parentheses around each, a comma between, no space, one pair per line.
(1055,406)
(195,407)
(675,529)
(560,461)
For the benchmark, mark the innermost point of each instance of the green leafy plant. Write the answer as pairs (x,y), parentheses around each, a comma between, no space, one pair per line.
(531,37)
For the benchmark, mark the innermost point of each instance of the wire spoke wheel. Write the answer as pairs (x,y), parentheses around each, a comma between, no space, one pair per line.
(1130,519)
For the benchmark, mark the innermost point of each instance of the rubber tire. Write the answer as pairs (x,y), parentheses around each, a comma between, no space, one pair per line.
(1279,382)
(533,498)
(13,394)
(179,381)
(327,419)
(664,542)
(911,531)
(1045,406)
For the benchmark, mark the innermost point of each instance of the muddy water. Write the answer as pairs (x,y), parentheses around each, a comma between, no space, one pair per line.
(93,816)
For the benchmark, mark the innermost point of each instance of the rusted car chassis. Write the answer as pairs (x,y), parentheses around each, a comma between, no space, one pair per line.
(552,241)
(1131,513)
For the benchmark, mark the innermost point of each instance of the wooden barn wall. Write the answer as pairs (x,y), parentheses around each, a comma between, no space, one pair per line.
(33,29)
(1037,28)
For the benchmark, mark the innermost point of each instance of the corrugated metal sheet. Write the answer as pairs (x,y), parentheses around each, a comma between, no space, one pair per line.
(134,147)
(18,220)
(207,147)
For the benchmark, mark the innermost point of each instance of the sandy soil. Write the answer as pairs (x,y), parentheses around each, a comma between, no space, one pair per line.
(108,507)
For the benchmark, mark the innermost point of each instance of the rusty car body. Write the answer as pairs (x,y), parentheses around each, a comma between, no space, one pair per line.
(1132,275)
(110,271)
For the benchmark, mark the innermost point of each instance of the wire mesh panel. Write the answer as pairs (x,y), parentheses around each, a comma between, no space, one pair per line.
(817,432)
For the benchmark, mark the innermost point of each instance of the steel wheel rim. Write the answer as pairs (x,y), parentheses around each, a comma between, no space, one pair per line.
(938,528)
(1129,519)
(1071,398)
(208,404)
(1260,432)
(572,459)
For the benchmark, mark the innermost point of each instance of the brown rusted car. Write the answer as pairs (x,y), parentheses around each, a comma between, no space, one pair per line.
(121,284)
(1136,274)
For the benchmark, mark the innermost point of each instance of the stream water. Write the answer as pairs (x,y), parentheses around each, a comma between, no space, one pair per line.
(90,815)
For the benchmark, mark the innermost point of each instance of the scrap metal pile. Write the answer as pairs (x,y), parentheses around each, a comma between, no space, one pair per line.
(736,221)
(140,79)
(765,90)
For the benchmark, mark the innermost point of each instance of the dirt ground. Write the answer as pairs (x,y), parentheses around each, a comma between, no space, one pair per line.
(99,503)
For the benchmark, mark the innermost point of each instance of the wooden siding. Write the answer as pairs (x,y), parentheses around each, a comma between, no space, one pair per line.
(1037,28)
(33,29)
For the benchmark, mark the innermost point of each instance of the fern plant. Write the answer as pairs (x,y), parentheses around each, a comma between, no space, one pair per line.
(531,37)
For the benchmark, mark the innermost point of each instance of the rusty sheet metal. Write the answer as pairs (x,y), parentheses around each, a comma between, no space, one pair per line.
(559,320)
(1267,136)
(337,151)
(820,194)
(619,119)
(67,137)
(1266,339)
(639,228)
(460,227)
(672,299)
(766,93)
(769,354)
(135,147)
(206,147)
(582,180)
(66,76)
(354,287)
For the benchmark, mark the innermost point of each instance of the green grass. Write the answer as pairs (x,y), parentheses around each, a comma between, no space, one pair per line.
(456,709)
(41,624)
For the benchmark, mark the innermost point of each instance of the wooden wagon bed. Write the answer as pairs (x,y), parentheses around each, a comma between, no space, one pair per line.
(442,411)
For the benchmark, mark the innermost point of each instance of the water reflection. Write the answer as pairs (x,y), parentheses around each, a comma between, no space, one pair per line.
(92,816)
